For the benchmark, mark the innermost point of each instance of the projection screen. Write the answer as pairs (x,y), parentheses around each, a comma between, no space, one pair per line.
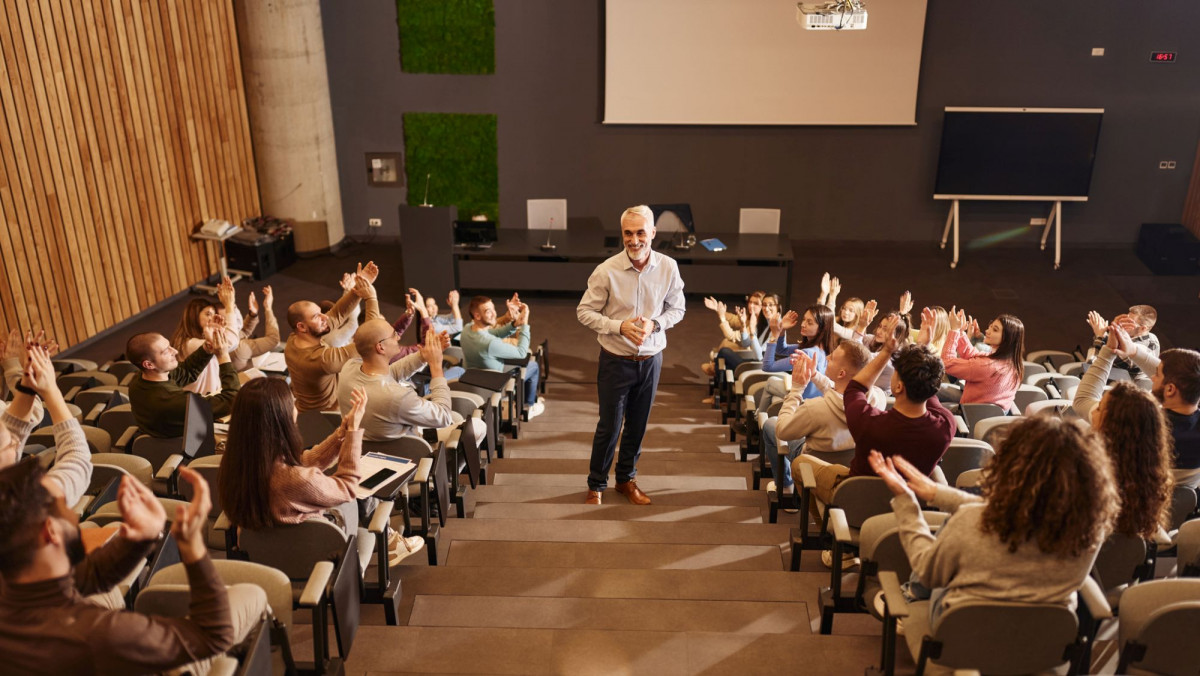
(748,62)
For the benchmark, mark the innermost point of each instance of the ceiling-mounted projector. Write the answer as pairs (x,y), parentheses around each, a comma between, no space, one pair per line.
(836,15)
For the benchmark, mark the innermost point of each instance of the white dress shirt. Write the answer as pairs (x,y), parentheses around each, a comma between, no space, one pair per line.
(618,291)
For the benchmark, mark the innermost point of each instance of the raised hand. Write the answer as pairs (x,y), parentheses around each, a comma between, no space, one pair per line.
(431,350)
(957,319)
(268,298)
(514,306)
(870,309)
(789,320)
(142,515)
(39,372)
(835,287)
(369,272)
(920,484)
(742,317)
(14,348)
(710,303)
(40,339)
(722,309)
(452,297)
(252,304)
(928,319)
(364,288)
(803,369)
(773,323)
(1119,341)
(972,328)
(906,303)
(418,302)
(347,282)
(225,292)
(888,326)
(444,340)
(634,330)
(191,520)
(826,284)
(215,341)
(1098,324)
(884,468)
(358,406)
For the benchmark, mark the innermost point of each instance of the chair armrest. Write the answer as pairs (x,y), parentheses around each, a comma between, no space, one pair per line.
(807,480)
(127,379)
(477,414)
(837,523)
(762,419)
(223,665)
(893,598)
(73,392)
(728,376)
(383,513)
(222,523)
(1093,598)
(961,424)
(737,388)
(318,582)
(169,467)
(126,438)
(80,508)
(93,415)
(424,467)
(749,405)
(454,438)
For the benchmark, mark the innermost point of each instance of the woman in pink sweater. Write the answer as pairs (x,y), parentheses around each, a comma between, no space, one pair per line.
(267,479)
(988,378)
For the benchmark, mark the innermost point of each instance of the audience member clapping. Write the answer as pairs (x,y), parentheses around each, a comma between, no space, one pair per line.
(313,366)
(268,479)
(156,394)
(1137,322)
(72,469)
(988,378)
(484,347)
(1049,501)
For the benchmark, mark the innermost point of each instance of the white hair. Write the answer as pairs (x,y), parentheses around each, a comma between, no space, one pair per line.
(642,211)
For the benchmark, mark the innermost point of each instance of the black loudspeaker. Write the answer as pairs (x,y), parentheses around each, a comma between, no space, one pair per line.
(1168,249)
(258,259)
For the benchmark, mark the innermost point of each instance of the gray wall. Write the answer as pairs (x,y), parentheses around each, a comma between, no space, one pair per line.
(852,183)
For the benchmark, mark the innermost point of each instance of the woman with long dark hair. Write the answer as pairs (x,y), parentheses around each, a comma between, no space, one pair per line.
(268,479)
(816,341)
(988,377)
(1134,429)
(1048,502)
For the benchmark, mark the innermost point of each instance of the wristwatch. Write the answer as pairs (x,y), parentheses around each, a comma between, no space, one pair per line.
(657,326)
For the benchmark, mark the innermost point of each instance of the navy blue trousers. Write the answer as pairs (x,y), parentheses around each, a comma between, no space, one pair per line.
(625,390)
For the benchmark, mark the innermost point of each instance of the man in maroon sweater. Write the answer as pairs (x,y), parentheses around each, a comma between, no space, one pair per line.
(46,626)
(917,427)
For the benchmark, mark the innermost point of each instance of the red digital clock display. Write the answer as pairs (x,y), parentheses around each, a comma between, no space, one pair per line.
(1162,57)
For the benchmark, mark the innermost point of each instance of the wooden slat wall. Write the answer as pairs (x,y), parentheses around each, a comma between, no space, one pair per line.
(1191,207)
(124,125)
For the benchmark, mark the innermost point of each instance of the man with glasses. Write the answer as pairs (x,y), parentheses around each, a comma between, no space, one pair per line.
(394,408)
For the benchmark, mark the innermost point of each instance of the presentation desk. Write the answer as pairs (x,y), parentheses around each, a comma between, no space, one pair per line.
(517,262)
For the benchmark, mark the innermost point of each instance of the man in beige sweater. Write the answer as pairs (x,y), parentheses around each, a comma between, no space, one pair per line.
(312,365)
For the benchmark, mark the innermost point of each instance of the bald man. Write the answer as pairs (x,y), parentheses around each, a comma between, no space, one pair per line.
(312,365)
(394,408)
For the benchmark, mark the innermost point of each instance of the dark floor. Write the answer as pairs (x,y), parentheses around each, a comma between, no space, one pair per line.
(1021,281)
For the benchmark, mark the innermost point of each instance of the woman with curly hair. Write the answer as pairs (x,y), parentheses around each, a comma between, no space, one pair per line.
(1049,501)
(1135,431)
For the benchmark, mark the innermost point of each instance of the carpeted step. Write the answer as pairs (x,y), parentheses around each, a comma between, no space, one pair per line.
(641,532)
(651,484)
(405,650)
(699,585)
(490,553)
(649,465)
(619,510)
(576,492)
(636,614)
(668,454)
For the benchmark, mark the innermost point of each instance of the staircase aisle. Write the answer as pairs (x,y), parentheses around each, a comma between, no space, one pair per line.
(536,582)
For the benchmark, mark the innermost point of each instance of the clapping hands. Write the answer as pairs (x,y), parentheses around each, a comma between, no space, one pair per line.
(803,369)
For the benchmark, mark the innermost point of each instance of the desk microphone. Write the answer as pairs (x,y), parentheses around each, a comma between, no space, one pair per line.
(548,246)
(425,202)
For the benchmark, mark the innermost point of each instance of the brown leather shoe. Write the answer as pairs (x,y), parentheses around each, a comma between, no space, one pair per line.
(593,498)
(635,494)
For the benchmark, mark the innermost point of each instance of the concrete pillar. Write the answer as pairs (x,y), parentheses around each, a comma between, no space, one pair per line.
(291,122)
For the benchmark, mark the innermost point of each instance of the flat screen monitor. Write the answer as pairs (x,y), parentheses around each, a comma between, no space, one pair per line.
(546,214)
(474,232)
(1018,153)
(681,213)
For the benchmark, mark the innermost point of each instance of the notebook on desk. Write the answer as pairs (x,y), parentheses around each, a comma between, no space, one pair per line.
(379,470)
